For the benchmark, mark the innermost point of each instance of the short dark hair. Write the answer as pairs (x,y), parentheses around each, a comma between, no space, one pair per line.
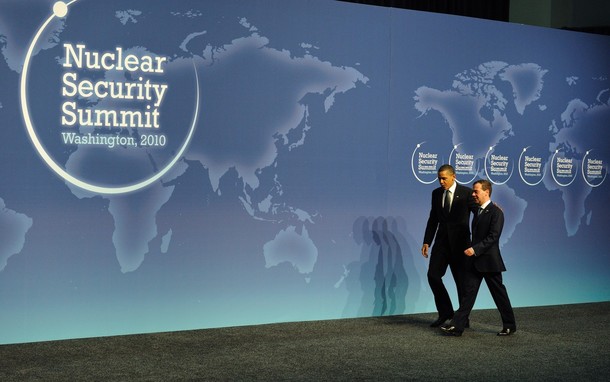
(485,185)
(446,167)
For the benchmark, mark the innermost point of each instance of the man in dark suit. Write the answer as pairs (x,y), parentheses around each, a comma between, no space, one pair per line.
(448,227)
(484,262)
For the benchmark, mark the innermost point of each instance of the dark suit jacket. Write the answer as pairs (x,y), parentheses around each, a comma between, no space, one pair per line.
(451,233)
(486,231)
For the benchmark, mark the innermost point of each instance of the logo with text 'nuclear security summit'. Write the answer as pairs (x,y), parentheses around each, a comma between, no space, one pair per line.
(73,87)
(103,111)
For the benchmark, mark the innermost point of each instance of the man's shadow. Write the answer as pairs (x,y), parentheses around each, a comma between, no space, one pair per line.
(378,282)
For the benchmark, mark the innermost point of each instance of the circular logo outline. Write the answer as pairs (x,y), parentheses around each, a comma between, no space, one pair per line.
(413,165)
(583,172)
(521,173)
(476,172)
(492,148)
(553,173)
(60,11)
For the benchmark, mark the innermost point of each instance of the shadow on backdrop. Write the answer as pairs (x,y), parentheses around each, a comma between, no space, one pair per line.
(378,282)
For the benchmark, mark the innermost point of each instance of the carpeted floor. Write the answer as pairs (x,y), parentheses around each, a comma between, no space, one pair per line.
(553,343)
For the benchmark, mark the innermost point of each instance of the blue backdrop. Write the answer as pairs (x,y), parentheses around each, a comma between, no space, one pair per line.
(283,163)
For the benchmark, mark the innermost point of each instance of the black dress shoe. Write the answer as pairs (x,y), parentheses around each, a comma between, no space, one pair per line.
(506,332)
(439,321)
(451,330)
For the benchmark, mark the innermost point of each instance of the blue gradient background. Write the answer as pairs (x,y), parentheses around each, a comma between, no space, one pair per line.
(295,200)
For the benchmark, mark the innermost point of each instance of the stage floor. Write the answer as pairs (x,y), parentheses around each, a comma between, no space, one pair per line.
(563,342)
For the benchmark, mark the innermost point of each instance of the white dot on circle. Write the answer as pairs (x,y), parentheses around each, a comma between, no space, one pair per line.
(60,9)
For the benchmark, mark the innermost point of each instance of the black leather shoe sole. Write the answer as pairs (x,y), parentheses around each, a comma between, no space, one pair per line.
(439,322)
(506,332)
(451,330)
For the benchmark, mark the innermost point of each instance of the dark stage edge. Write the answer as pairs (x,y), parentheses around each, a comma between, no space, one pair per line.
(552,343)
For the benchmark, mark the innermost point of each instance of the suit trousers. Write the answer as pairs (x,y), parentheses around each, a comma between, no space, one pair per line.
(439,262)
(472,283)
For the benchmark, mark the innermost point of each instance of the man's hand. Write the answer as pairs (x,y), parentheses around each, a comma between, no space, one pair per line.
(424,251)
(469,252)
